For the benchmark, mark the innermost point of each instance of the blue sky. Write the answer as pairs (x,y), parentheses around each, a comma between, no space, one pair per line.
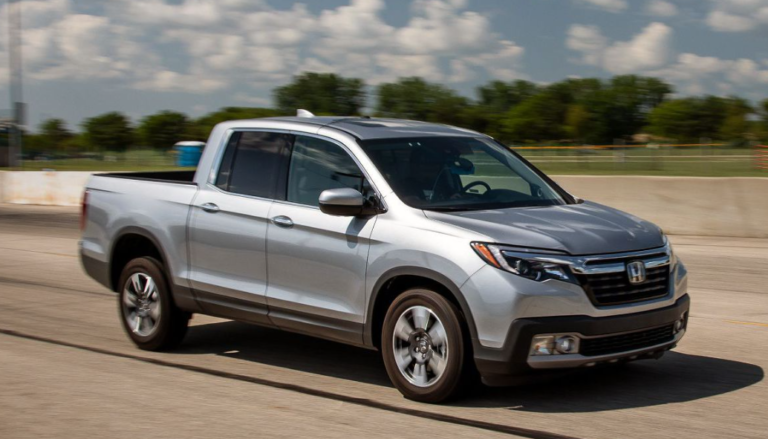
(85,57)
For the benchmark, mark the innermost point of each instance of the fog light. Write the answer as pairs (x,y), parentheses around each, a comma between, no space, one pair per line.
(567,344)
(679,325)
(543,345)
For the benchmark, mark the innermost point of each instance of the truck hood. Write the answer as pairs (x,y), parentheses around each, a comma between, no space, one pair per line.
(578,229)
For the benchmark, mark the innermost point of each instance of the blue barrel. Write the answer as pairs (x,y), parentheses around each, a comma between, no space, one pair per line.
(188,153)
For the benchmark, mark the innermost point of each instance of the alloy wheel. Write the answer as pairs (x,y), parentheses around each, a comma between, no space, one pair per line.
(420,345)
(141,304)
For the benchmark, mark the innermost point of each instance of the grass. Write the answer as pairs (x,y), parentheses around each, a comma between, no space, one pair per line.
(684,161)
(136,160)
(688,161)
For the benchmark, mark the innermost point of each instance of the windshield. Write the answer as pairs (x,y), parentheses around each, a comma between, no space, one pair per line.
(459,173)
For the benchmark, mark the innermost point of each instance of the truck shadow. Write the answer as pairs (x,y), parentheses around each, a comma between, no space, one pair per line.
(284,349)
(676,378)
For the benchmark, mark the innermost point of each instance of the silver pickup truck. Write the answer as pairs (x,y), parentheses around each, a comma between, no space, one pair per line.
(438,246)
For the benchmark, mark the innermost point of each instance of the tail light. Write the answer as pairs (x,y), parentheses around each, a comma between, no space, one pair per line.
(84,211)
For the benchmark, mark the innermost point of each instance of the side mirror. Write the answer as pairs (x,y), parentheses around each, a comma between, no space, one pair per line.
(342,202)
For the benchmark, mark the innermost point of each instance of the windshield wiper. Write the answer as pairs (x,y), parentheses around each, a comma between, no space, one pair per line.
(489,206)
(452,208)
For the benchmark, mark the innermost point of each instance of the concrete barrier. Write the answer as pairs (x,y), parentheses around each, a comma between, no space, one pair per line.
(43,188)
(722,206)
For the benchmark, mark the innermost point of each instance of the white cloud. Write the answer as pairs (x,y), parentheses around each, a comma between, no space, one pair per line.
(589,41)
(253,100)
(647,50)
(169,81)
(355,26)
(439,27)
(692,74)
(356,41)
(278,28)
(727,22)
(188,13)
(504,64)
(648,53)
(395,66)
(199,46)
(608,5)
(737,15)
(37,45)
(81,39)
(747,71)
(662,8)
(39,13)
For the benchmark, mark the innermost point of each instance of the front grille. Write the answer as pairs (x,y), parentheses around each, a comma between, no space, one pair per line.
(627,342)
(615,289)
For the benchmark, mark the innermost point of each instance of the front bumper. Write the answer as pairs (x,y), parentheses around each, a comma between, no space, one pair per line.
(502,366)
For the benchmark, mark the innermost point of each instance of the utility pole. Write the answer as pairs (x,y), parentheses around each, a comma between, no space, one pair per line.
(15,83)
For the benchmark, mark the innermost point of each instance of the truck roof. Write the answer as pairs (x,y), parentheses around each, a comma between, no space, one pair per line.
(365,128)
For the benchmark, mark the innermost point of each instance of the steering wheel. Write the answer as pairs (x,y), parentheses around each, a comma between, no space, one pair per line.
(476,183)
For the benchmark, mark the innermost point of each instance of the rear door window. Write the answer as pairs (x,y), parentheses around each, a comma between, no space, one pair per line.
(251,163)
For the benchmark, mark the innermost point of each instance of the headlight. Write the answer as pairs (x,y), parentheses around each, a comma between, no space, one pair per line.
(533,268)
(671,250)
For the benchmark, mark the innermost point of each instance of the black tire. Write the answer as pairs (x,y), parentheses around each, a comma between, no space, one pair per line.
(454,378)
(171,326)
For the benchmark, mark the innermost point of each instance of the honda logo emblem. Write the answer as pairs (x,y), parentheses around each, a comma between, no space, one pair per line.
(636,272)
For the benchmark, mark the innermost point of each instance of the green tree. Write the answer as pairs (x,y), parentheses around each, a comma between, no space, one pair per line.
(417,99)
(109,132)
(536,119)
(675,119)
(627,102)
(201,128)
(321,93)
(494,100)
(164,129)
(76,143)
(34,145)
(736,124)
(578,121)
(689,119)
(581,90)
(764,124)
(764,111)
(54,135)
(502,96)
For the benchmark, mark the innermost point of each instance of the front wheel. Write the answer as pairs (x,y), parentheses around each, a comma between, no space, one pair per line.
(149,316)
(423,346)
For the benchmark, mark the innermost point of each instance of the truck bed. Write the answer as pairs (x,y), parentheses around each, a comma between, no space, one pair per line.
(179,177)
(157,203)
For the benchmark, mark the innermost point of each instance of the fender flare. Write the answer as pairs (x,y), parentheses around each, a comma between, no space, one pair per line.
(183,296)
(425,273)
(135,230)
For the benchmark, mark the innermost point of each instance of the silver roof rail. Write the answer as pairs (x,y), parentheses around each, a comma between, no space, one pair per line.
(304,113)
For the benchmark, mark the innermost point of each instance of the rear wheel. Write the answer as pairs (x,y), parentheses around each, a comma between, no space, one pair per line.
(147,311)
(423,346)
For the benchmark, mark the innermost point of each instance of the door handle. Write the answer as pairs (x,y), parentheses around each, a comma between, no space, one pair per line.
(210,208)
(282,221)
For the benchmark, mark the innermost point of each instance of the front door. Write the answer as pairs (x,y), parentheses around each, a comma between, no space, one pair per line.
(317,262)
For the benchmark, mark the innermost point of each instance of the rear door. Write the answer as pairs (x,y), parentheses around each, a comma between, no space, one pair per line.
(317,262)
(228,226)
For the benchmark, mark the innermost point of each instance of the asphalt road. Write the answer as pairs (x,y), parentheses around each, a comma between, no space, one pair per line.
(67,369)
